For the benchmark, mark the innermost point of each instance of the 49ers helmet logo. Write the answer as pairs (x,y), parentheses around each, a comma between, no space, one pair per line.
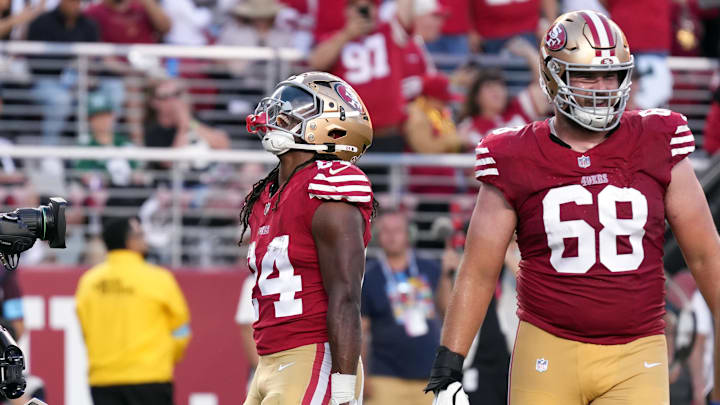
(556,37)
(348,96)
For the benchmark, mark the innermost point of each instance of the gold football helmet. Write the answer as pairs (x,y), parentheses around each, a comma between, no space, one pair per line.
(313,111)
(586,41)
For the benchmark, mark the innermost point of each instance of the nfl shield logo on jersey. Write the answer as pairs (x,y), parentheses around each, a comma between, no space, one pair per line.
(584,161)
(541,365)
(267,208)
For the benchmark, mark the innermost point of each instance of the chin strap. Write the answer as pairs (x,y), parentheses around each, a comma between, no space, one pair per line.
(279,142)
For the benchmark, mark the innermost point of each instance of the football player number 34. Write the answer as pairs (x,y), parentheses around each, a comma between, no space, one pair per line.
(287,283)
(612,227)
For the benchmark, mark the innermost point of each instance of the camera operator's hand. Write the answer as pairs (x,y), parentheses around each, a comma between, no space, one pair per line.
(357,25)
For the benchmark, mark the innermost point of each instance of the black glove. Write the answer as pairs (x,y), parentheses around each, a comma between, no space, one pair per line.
(446,369)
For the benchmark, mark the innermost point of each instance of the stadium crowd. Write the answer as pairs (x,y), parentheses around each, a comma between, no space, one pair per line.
(436,75)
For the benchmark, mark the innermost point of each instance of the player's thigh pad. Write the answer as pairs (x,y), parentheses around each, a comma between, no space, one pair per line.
(637,375)
(543,369)
(299,376)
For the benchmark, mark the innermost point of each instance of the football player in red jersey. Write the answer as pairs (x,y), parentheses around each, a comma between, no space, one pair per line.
(588,192)
(309,223)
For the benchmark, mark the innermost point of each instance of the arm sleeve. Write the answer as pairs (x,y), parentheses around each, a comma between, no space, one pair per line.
(682,141)
(489,168)
(342,181)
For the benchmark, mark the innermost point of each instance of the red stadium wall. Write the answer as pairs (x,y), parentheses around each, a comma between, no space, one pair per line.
(213,372)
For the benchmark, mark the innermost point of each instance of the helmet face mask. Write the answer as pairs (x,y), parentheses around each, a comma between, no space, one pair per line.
(593,109)
(289,106)
(586,42)
(313,111)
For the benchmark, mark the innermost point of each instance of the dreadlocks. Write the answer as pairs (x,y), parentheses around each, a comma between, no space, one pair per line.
(272,178)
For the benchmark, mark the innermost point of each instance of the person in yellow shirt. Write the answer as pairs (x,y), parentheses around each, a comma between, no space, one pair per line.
(134,319)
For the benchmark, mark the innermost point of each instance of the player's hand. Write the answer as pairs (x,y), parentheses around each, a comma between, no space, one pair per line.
(452,395)
(446,378)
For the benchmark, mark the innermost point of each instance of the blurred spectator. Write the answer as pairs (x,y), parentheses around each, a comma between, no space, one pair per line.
(430,127)
(403,300)
(455,30)
(646,24)
(487,106)
(157,223)
(686,28)
(189,23)
(54,86)
(497,22)
(111,182)
(170,122)
(253,25)
(130,21)
(330,17)
(368,54)
(572,5)
(8,167)
(711,139)
(710,15)
(428,17)
(8,20)
(101,120)
(134,319)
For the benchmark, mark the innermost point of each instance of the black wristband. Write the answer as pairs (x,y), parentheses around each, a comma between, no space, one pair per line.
(446,369)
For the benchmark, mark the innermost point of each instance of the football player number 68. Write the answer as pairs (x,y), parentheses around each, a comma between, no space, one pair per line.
(557,230)
(287,283)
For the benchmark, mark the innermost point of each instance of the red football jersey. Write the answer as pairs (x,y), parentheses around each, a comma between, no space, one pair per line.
(372,65)
(590,225)
(505,18)
(289,298)
(457,20)
(131,26)
(646,23)
(416,64)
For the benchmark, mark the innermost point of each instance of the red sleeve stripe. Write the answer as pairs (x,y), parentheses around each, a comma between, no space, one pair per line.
(682,151)
(340,179)
(682,128)
(339,189)
(340,197)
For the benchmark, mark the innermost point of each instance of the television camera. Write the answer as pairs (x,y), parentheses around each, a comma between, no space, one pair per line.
(18,231)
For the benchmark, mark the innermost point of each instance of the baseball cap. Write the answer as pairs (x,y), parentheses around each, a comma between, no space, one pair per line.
(98,103)
(423,7)
(437,85)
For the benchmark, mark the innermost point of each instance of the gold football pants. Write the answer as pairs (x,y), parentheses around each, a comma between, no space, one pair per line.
(299,376)
(548,370)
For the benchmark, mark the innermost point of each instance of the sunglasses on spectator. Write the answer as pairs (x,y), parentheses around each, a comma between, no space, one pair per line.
(167,96)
